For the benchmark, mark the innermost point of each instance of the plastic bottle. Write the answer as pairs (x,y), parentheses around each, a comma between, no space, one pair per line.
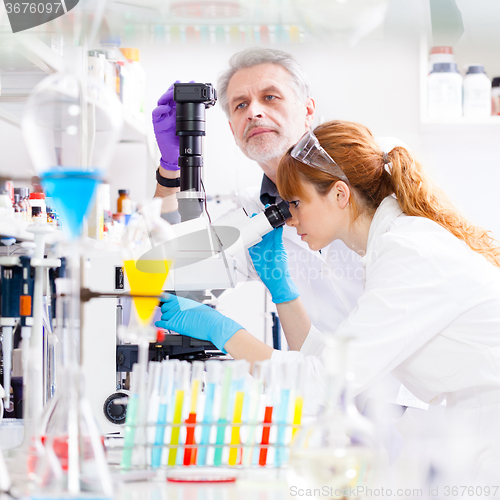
(138,77)
(495,96)
(23,202)
(124,203)
(477,92)
(444,91)
(18,211)
(38,200)
(38,216)
(6,208)
(111,48)
(441,54)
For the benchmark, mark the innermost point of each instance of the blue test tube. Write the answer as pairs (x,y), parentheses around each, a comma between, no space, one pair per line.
(131,418)
(166,393)
(214,370)
(222,422)
(285,380)
(255,385)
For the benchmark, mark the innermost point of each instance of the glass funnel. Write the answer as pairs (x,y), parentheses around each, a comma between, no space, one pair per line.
(71,125)
(147,251)
(339,452)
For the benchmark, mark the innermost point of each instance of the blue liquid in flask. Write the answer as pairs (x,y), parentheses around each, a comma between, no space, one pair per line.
(73,193)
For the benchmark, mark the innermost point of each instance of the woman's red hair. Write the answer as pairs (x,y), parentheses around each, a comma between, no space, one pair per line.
(354,149)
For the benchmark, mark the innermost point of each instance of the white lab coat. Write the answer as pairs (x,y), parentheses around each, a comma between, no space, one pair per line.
(429,313)
(330,284)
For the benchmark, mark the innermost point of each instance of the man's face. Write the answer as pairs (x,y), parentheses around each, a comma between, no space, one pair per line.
(265,114)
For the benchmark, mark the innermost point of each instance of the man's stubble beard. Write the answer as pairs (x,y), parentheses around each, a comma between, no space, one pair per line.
(266,147)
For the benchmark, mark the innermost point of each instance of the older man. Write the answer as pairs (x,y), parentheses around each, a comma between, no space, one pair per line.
(266,97)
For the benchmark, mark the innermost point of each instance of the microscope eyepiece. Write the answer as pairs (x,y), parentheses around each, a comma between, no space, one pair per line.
(277,214)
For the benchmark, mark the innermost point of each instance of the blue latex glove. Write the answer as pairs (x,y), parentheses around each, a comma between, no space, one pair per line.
(190,318)
(164,127)
(271,263)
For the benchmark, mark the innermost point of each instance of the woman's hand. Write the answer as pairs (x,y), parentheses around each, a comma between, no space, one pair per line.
(199,321)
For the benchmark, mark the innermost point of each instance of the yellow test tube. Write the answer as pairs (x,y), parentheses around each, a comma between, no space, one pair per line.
(235,430)
(240,369)
(182,383)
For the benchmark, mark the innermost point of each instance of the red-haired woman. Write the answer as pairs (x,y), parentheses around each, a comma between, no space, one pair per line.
(430,310)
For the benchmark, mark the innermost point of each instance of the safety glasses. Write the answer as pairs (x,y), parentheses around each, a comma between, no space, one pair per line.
(309,151)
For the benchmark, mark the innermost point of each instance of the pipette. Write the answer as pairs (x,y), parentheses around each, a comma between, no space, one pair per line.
(255,390)
(221,423)
(240,370)
(214,370)
(166,393)
(196,381)
(131,419)
(181,386)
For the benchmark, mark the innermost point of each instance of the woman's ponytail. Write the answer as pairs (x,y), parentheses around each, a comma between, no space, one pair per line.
(418,196)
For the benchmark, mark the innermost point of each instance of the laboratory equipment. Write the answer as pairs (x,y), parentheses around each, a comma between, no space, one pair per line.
(191,101)
(146,275)
(190,453)
(477,92)
(340,450)
(255,386)
(444,92)
(214,370)
(16,299)
(166,395)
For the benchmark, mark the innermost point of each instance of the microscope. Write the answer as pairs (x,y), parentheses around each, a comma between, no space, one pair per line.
(203,253)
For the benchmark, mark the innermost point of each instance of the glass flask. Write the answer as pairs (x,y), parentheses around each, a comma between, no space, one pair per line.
(71,463)
(339,452)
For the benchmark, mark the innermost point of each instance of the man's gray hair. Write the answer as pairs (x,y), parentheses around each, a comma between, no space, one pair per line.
(254,56)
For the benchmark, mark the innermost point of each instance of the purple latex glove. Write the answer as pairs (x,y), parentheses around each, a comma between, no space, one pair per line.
(164,127)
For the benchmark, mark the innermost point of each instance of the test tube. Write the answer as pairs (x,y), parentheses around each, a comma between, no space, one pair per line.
(166,394)
(240,370)
(131,418)
(196,381)
(214,370)
(181,386)
(255,391)
(222,421)
(299,397)
(285,379)
(271,396)
(153,394)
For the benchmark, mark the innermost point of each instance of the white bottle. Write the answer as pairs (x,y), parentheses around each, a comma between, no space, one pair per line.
(495,96)
(444,92)
(477,92)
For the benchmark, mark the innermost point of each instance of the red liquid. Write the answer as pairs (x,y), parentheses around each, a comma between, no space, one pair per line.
(190,453)
(60,447)
(266,430)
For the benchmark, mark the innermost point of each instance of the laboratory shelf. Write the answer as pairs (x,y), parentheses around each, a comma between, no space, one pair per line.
(462,120)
